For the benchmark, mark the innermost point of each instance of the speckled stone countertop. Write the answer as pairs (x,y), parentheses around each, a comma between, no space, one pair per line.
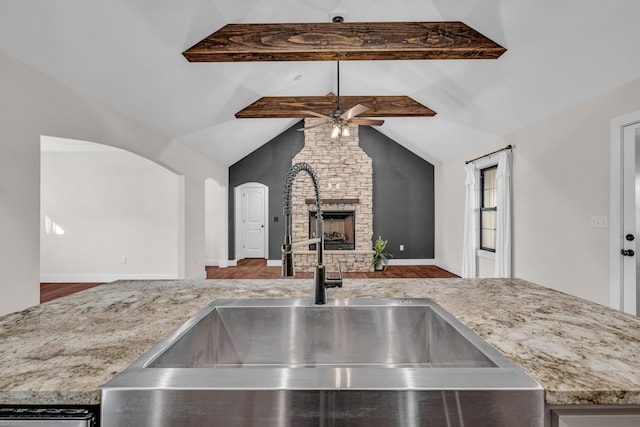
(61,352)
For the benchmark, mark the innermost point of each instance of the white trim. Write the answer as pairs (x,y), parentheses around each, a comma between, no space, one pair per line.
(486,162)
(103,278)
(615,224)
(237,236)
(486,254)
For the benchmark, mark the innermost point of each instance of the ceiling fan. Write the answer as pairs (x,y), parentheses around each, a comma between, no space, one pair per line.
(339,119)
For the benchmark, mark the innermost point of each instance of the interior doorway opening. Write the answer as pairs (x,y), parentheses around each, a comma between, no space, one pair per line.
(107,214)
(625,213)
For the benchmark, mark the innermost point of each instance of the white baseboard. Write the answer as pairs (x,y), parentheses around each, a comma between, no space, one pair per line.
(102,278)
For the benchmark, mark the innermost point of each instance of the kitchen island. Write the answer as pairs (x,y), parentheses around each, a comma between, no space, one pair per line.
(62,352)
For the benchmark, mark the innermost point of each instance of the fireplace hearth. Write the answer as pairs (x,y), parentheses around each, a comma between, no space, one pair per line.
(339,230)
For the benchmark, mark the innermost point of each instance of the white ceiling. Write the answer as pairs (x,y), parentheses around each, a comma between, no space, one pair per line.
(127,54)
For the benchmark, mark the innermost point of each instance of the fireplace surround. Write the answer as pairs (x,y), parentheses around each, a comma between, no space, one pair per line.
(339,230)
(345,173)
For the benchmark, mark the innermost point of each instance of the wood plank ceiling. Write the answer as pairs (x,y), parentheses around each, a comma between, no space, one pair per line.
(292,106)
(343,42)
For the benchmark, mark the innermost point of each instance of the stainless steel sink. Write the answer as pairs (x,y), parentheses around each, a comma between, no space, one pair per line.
(352,362)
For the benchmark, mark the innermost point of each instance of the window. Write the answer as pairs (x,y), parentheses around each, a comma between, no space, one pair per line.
(488,208)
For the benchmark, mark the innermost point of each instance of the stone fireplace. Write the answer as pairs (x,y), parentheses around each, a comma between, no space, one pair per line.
(345,174)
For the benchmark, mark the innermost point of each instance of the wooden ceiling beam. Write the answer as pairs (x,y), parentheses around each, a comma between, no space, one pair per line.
(292,106)
(344,41)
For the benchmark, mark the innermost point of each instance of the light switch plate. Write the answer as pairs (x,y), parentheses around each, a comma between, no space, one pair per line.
(599,222)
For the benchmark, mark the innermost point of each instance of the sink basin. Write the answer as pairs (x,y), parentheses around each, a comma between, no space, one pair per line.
(258,335)
(350,362)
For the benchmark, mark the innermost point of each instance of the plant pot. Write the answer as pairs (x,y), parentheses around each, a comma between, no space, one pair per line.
(379,265)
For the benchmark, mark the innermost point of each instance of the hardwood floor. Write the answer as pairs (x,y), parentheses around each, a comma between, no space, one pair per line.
(257,269)
(51,291)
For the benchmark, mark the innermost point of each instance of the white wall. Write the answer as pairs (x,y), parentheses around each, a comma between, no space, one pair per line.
(32,105)
(560,179)
(105,206)
(215,210)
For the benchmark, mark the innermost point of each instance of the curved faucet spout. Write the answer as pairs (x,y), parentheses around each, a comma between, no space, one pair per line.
(288,187)
(287,247)
(287,208)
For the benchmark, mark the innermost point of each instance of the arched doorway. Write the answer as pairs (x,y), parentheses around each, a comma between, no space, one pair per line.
(106,214)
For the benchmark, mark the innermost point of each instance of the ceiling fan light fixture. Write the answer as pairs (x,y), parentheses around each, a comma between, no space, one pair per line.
(335,131)
(345,130)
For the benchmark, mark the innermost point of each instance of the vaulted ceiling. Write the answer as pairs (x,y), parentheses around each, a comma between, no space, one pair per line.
(128,54)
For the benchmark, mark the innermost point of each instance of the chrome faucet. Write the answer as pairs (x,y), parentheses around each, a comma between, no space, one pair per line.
(321,282)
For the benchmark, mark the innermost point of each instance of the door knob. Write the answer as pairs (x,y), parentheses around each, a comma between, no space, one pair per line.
(627,252)
(630,237)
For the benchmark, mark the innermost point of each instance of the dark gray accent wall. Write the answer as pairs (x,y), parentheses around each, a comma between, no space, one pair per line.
(403,191)
(403,196)
(267,165)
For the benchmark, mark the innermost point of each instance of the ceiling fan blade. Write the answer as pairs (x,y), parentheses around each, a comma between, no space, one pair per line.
(367,122)
(313,113)
(354,111)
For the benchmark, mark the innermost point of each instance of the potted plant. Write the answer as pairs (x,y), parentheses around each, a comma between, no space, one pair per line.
(380,257)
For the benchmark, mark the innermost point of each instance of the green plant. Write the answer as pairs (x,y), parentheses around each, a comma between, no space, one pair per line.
(380,257)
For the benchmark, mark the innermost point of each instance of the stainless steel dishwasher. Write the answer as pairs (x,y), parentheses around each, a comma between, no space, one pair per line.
(46,417)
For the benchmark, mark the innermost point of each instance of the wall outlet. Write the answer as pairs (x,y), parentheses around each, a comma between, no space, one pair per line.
(123,259)
(598,222)
(401,248)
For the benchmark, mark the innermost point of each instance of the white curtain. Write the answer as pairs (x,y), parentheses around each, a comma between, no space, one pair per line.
(471,207)
(503,229)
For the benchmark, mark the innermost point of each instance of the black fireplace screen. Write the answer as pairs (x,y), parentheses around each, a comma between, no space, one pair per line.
(339,230)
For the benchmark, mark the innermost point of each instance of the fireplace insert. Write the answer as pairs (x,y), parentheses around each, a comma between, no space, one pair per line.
(339,230)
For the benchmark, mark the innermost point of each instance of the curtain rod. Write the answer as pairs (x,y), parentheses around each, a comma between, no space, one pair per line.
(508,147)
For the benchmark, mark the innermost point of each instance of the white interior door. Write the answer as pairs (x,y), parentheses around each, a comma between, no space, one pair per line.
(630,218)
(254,220)
(624,261)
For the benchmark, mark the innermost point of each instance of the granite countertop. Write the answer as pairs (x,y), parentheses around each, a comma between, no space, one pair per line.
(61,352)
